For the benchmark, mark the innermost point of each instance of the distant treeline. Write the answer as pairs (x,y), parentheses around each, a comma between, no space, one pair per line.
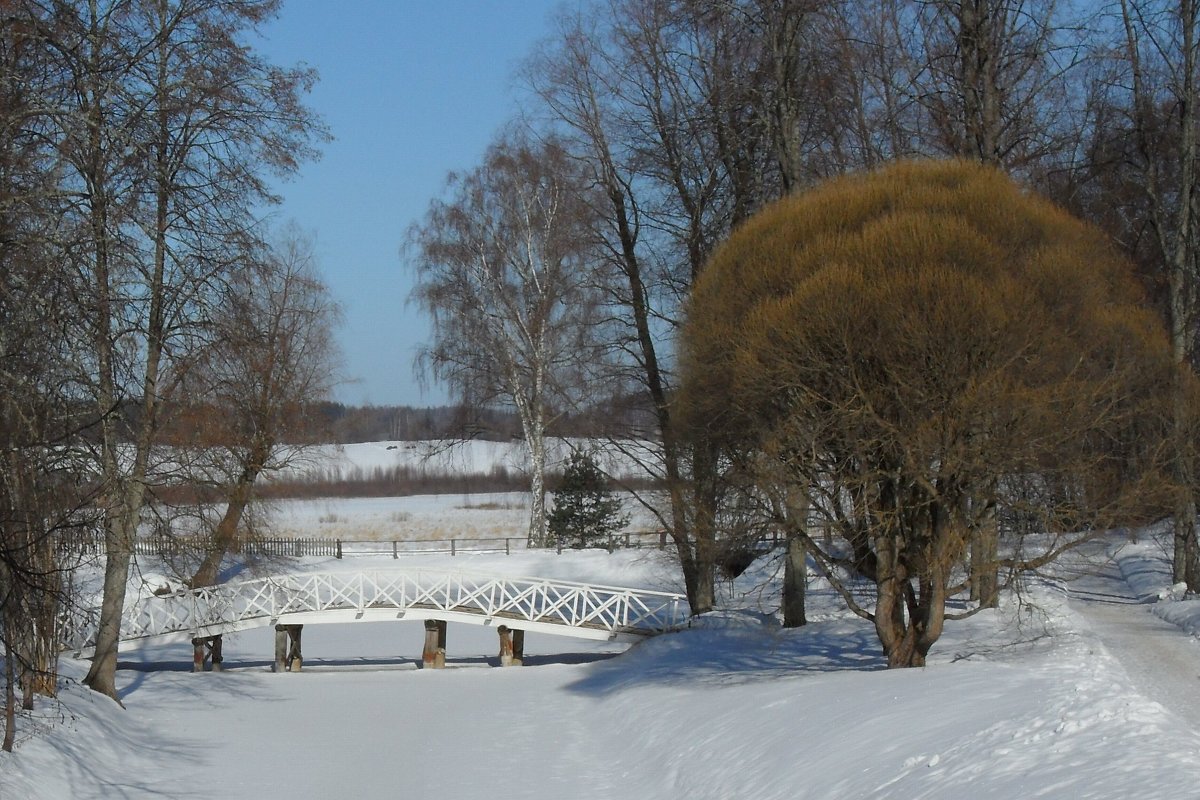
(394,481)
(345,424)
(338,423)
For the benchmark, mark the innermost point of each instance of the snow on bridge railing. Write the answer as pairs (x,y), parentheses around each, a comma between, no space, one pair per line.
(235,606)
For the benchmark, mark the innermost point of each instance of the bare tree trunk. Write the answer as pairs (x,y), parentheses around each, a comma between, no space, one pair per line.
(985,556)
(795,575)
(795,567)
(118,541)
(533,421)
(224,535)
(1172,196)
(10,697)
(44,608)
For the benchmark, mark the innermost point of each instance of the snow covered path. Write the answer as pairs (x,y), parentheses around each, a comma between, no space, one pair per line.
(1161,660)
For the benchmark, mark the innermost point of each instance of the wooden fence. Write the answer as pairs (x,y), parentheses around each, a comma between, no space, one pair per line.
(159,544)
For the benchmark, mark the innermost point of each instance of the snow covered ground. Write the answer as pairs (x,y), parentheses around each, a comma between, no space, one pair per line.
(446,516)
(418,517)
(1034,700)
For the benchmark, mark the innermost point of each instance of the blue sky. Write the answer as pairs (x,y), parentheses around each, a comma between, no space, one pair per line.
(411,90)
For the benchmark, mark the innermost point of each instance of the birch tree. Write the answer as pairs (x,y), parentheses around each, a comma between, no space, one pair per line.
(1153,97)
(499,268)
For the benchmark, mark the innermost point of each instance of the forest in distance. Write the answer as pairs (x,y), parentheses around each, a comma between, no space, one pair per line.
(331,422)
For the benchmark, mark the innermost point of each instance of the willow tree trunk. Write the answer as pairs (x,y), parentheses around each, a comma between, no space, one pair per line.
(985,556)
(795,566)
(120,530)
(910,610)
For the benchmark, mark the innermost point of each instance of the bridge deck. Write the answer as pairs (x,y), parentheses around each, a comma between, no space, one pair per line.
(532,604)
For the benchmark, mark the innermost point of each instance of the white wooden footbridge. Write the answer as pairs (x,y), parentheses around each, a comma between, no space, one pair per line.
(289,601)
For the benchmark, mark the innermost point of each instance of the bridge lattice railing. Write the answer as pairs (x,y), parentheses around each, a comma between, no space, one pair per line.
(231,606)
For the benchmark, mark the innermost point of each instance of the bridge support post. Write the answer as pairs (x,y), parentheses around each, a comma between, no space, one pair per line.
(280,649)
(506,646)
(434,654)
(512,646)
(206,650)
(518,648)
(287,648)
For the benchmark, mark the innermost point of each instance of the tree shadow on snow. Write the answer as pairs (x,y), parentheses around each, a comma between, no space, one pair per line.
(738,654)
(115,759)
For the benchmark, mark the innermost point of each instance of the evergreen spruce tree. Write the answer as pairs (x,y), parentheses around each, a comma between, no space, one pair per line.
(585,511)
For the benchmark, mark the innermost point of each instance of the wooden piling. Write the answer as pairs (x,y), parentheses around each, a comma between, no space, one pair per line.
(512,646)
(506,646)
(206,653)
(287,648)
(434,654)
(295,660)
(518,647)
(281,639)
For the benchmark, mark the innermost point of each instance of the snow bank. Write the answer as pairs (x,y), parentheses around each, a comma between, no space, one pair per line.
(1146,568)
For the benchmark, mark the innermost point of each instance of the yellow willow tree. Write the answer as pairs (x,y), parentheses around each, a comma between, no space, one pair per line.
(924,351)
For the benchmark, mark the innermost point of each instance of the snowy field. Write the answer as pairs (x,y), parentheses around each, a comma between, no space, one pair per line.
(476,457)
(435,517)
(1034,700)
(418,517)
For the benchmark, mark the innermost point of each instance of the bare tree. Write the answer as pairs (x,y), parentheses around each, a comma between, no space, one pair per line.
(166,124)
(499,269)
(1147,162)
(686,117)
(272,360)
(40,480)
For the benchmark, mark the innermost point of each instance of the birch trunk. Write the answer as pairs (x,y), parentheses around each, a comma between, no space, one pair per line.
(1174,225)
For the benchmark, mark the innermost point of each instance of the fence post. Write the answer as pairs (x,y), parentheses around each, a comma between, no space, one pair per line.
(395,554)
(452,547)
(339,548)
(507,552)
